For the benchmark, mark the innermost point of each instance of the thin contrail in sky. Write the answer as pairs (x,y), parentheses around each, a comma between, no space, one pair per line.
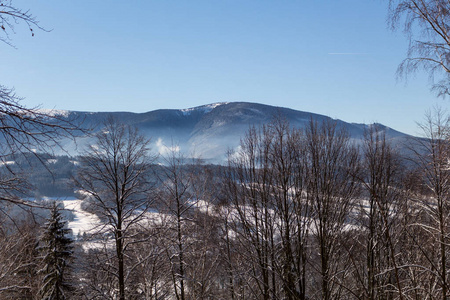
(347,53)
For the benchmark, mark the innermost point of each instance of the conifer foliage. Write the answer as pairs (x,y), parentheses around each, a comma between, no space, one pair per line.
(56,252)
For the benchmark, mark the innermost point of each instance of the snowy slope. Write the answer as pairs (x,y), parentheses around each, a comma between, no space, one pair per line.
(208,131)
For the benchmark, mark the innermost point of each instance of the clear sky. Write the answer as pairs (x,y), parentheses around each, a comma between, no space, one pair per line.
(336,58)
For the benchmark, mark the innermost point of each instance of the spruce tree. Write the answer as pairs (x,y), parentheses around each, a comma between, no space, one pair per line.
(56,252)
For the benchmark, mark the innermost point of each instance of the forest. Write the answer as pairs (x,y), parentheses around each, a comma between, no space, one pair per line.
(295,214)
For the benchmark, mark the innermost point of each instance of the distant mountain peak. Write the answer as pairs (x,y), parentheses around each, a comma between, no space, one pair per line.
(53,112)
(204,108)
(210,131)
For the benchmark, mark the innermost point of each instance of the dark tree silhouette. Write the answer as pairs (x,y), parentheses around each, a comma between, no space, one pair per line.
(57,253)
(114,175)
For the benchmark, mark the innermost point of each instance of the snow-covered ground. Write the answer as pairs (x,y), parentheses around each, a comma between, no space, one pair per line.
(83,222)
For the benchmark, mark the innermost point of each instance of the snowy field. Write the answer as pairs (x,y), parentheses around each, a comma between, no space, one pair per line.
(83,222)
(87,223)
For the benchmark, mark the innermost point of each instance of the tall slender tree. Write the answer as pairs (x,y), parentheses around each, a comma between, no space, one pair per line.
(291,208)
(249,191)
(114,175)
(57,254)
(381,180)
(177,200)
(332,189)
(431,156)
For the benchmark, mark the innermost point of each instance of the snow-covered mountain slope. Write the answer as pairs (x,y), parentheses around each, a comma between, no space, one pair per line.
(208,131)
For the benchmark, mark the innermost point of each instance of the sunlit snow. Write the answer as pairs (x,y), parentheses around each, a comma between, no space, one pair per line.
(83,222)
(204,108)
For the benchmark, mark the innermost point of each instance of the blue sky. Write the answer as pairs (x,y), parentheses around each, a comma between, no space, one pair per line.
(336,58)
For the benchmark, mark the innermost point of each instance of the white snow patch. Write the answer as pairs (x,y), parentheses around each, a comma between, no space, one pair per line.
(204,108)
(53,112)
(204,206)
(84,222)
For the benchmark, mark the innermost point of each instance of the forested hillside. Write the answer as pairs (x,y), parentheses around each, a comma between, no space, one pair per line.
(294,214)
(230,200)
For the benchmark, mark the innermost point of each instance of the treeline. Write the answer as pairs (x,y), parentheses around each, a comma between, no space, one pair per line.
(46,175)
(295,214)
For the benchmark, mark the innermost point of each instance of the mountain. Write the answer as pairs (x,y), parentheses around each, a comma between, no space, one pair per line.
(208,131)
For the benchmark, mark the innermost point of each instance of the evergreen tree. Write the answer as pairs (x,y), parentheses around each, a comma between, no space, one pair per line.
(57,253)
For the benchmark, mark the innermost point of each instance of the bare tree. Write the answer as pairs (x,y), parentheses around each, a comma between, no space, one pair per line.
(177,203)
(332,190)
(379,217)
(431,156)
(24,129)
(28,131)
(426,23)
(266,185)
(19,258)
(205,261)
(151,278)
(114,175)
(10,16)
(291,208)
(249,191)
(228,247)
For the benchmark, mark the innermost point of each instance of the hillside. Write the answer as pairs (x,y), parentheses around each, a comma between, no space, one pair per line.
(208,131)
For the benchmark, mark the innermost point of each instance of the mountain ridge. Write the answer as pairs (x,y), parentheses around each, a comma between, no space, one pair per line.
(210,130)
